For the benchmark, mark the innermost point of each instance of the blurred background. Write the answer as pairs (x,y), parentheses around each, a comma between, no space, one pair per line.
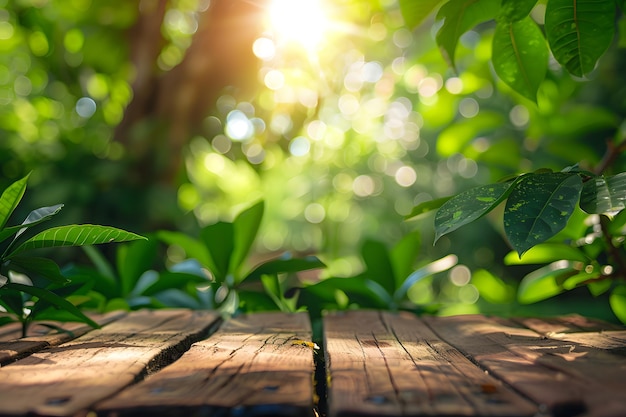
(174,114)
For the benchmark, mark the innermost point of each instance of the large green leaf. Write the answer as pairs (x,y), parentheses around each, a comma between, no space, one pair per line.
(365,292)
(492,288)
(460,16)
(403,256)
(546,253)
(378,264)
(602,195)
(133,259)
(439,265)
(54,300)
(10,199)
(468,206)
(34,218)
(579,32)
(42,266)
(455,138)
(75,235)
(539,206)
(520,56)
(545,282)
(514,10)
(245,229)
(415,12)
(284,265)
(219,240)
(194,249)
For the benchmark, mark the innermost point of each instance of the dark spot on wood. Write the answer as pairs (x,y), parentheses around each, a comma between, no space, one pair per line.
(58,401)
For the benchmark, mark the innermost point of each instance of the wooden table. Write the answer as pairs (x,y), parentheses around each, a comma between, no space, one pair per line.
(191,363)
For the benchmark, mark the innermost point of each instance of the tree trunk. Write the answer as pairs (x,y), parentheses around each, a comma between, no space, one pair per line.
(168,109)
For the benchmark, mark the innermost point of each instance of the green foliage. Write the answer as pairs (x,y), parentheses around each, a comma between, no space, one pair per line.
(538,205)
(458,17)
(384,283)
(520,56)
(30,286)
(223,249)
(578,34)
(139,280)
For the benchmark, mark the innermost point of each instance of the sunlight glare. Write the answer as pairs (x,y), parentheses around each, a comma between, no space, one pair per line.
(302,21)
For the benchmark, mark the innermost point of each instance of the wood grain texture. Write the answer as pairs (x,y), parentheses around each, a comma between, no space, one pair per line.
(40,336)
(392,364)
(564,377)
(63,380)
(252,366)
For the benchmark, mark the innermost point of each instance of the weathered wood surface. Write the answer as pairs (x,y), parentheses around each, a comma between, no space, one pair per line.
(40,336)
(254,365)
(564,371)
(393,364)
(170,363)
(71,377)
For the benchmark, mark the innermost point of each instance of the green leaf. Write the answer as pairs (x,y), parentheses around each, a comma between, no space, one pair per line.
(403,256)
(12,300)
(366,293)
(520,56)
(54,300)
(460,16)
(284,265)
(219,240)
(617,300)
(546,253)
(597,288)
(75,235)
(455,138)
(245,229)
(468,206)
(514,10)
(579,32)
(415,12)
(133,259)
(34,218)
(579,279)
(604,195)
(439,265)
(10,199)
(545,282)
(426,207)
(538,207)
(44,267)
(193,248)
(378,265)
(492,288)
(169,279)
(616,226)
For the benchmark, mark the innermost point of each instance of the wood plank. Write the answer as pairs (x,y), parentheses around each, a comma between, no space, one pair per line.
(252,364)
(564,377)
(381,363)
(41,336)
(582,330)
(63,380)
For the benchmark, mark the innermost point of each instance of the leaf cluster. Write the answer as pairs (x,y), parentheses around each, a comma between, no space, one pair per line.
(32,285)
(384,283)
(223,248)
(576,33)
(538,204)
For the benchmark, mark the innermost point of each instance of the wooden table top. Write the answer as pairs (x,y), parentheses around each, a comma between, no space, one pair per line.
(370,363)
